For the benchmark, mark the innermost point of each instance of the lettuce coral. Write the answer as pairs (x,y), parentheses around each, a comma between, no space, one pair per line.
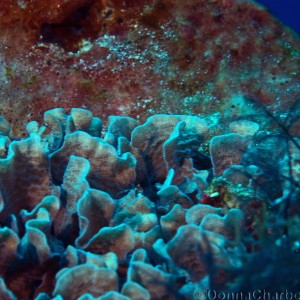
(138,211)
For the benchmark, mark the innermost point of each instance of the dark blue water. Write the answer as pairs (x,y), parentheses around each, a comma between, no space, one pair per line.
(287,11)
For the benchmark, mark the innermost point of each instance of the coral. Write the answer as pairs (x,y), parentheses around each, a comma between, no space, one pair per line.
(172,221)
(95,209)
(171,138)
(135,291)
(197,244)
(229,226)
(109,239)
(5,128)
(54,120)
(80,119)
(113,296)
(227,150)
(5,293)
(73,282)
(75,257)
(73,187)
(159,284)
(290,167)
(4,143)
(9,241)
(170,194)
(24,176)
(78,223)
(108,171)
(244,127)
(59,124)
(268,154)
(190,179)
(237,174)
(196,213)
(119,127)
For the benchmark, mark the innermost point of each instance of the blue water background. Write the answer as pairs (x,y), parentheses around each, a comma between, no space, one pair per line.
(287,11)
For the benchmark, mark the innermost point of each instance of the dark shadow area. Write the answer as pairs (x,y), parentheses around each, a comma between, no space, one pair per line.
(82,24)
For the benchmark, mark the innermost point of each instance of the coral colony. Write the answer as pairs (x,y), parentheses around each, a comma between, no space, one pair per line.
(148,150)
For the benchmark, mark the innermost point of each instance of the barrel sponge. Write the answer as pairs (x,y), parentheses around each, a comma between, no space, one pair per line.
(109,172)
